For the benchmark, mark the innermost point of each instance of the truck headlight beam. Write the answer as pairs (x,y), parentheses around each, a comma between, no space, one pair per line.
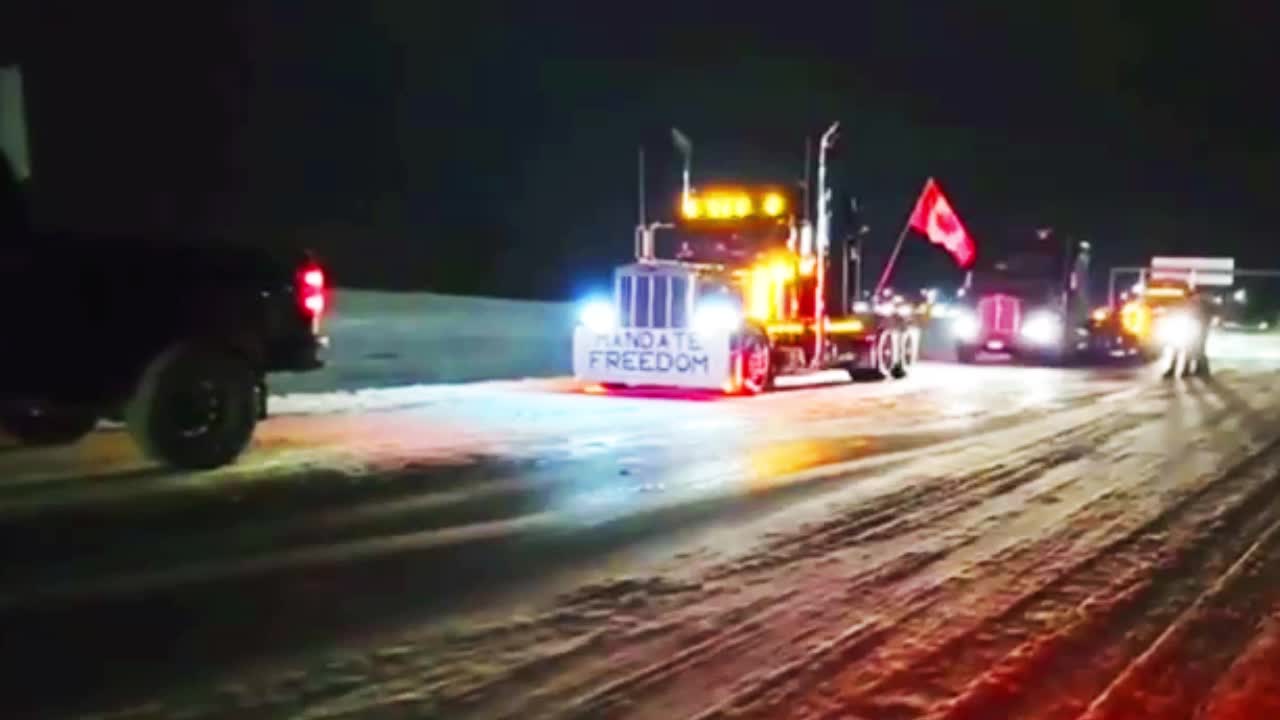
(598,316)
(964,326)
(715,316)
(1042,328)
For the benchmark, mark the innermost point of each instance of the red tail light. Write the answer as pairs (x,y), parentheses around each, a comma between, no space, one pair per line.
(311,290)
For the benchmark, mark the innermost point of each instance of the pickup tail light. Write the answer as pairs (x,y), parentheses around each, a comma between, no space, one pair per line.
(312,287)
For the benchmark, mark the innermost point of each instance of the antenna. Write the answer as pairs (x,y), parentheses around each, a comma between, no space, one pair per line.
(644,218)
(808,172)
(824,195)
(685,146)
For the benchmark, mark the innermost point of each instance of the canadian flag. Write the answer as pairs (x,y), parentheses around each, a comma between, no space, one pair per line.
(934,217)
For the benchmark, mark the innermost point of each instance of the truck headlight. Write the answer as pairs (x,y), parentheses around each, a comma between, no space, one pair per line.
(1177,330)
(964,325)
(598,316)
(1042,328)
(713,316)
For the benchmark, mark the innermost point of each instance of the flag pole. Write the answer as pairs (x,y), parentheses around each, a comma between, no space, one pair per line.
(888,267)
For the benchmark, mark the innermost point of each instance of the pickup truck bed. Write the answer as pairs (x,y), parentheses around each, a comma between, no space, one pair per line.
(174,339)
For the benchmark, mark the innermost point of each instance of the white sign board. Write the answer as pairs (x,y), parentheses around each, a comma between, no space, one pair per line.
(1201,271)
(664,358)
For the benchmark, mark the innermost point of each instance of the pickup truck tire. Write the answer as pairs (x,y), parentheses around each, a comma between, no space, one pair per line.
(47,426)
(195,407)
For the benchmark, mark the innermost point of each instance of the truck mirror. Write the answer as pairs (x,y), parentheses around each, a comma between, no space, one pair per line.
(13,128)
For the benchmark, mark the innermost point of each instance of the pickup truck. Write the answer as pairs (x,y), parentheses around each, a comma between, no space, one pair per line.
(172,338)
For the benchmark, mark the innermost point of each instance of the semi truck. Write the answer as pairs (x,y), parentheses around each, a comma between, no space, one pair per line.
(1033,305)
(733,292)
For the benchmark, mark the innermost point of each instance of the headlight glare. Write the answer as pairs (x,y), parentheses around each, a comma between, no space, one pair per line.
(964,325)
(715,315)
(1042,328)
(598,316)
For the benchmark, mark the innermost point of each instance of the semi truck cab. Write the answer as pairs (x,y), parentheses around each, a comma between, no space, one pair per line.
(730,294)
(1032,304)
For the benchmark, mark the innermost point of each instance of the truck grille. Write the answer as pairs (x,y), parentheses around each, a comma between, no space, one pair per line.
(657,300)
(1000,314)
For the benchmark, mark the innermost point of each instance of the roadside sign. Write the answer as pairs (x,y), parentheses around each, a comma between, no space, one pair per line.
(1200,271)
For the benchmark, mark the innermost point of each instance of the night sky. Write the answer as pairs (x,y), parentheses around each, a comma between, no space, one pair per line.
(491,152)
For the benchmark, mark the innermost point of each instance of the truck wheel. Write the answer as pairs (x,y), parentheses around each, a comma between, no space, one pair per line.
(757,362)
(47,426)
(966,354)
(888,355)
(908,349)
(195,407)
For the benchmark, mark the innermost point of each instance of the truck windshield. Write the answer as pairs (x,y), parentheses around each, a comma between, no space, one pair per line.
(734,246)
(1023,274)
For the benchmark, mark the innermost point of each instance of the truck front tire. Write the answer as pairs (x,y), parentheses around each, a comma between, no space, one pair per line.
(195,407)
(908,353)
(47,426)
(757,362)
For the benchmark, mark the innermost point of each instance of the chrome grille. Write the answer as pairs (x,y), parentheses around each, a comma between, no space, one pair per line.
(649,298)
(1000,314)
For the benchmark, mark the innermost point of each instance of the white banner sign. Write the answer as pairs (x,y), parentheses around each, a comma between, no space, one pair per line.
(1207,271)
(666,358)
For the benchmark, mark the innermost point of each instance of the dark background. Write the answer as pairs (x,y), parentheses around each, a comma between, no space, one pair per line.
(483,149)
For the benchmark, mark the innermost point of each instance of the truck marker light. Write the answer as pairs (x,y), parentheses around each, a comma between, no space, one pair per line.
(691,208)
(773,204)
(845,326)
(785,328)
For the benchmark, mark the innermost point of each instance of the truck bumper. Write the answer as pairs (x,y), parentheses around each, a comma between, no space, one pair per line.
(645,357)
(298,356)
(1070,346)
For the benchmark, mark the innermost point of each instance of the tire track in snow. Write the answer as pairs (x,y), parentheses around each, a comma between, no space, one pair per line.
(1008,578)
(577,659)
(662,634)
(1180,667)
(1060,442)
(915,626)
(939,497)
(1250,689)
(896,514)
(1077,636)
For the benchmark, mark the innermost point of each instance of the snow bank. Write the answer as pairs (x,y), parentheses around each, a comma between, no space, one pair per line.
(388,339)
(393,339)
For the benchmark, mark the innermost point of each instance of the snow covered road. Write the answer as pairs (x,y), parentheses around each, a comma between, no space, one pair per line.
(977,542)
